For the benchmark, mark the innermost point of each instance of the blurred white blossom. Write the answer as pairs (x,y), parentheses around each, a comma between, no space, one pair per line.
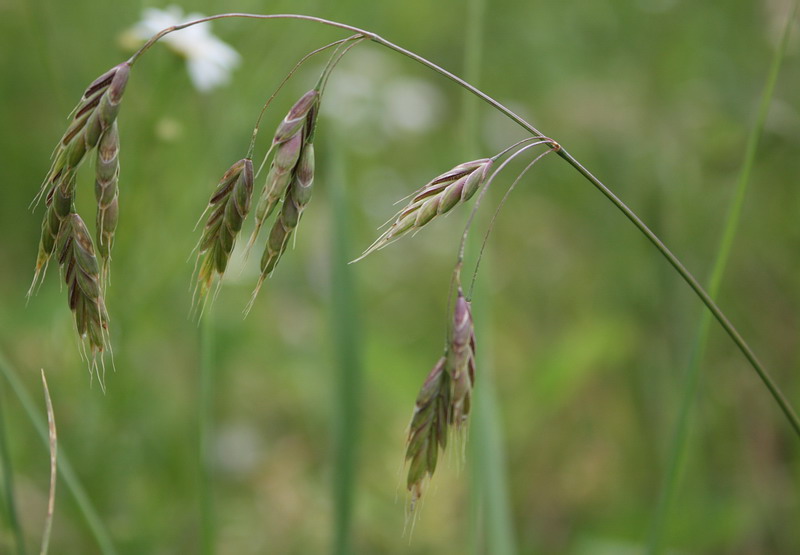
(208,59)
(374,103)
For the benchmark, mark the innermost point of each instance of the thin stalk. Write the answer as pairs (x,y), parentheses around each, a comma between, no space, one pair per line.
(288,76)
(621,206)
(349,368)
(687,276)
(497,213)
(8,484)
(205,438)
(473,54)
(490,509)
(677,451)
(65,469)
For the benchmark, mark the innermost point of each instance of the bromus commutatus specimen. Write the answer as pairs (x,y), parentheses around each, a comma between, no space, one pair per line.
(445,398)
(444,401)
(290,178)
(229,206)
(93,125)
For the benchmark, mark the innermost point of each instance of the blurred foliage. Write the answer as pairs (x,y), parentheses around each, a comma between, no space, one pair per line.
(591,328)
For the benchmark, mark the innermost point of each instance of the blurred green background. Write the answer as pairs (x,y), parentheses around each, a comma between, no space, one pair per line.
(586,331)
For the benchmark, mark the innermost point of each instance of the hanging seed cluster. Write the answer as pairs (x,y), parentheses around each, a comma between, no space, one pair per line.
(439,196)
(93,126)
(228,206)
(444,401)
(290,178)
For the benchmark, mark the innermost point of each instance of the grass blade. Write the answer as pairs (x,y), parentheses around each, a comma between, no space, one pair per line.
(8,487)
(691,378)
(53,439)
(347,343)
(71,479)
(205,433)
(491,528)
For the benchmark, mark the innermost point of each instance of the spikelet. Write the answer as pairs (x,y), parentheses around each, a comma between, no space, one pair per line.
(428,429)
(288,143)
(297,198)
(59,203)
(92,118)
(460,363)
(94,114)
(229,206)
(81,273)
(107,195)
(444,400)
(437,197)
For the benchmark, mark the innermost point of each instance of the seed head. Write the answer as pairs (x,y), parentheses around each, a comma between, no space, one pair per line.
(460,363)
(291,138)
(92,117)
(428,429)
(107,194)
(59,205)
(437,197)
(443,401)
(229,205)
(296,199)
(81,273)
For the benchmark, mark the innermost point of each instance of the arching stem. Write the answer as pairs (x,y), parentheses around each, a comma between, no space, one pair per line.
(621,206)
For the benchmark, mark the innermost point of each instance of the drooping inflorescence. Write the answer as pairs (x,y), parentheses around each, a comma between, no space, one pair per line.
(229,206)
(437,197)
(290,178)
(444,401)
(93,126)
(81,273)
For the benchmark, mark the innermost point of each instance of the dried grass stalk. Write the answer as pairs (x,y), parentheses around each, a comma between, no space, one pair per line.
(437,197)
(106,192)
(81,272)
(229,206)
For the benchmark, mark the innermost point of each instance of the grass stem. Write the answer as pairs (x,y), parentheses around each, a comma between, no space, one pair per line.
(680,435)
(349,367)
(65,469)
(687,276)
(490,511)
(8,484)
(206,432)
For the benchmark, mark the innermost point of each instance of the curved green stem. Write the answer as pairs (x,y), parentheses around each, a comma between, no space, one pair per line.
(621,206)
(696,287)
(692,376)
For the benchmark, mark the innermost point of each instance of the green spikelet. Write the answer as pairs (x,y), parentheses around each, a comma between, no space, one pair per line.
(228,206)
(107,194)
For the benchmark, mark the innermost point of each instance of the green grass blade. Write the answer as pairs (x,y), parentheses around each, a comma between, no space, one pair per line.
(691,379)
(349,370)
(206,431)
(65,469)
(8,484)
(491,528)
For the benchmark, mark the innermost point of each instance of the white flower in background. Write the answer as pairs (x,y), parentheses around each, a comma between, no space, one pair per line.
(375,104)
(209,60)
